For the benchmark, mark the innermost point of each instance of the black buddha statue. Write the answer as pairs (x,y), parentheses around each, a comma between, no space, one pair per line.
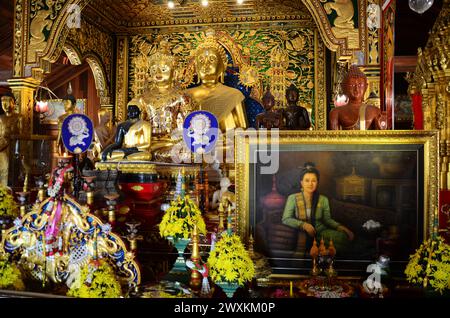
(132,139)
(296,117)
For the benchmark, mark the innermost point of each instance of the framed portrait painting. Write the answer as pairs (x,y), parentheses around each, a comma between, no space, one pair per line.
(371,192)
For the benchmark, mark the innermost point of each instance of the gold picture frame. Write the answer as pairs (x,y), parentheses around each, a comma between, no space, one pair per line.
(403,152)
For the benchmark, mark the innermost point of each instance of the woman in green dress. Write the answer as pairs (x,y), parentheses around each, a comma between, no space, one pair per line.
(298,214)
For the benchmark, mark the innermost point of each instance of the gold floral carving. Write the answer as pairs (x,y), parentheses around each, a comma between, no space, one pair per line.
(121,77)
(91,40)
(72,54)
(42,12)
(144,13)
(19,30)
(373,34)
(320,109)
(280,56)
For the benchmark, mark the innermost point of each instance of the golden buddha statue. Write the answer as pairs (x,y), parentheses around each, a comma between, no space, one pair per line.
(69,108)
(104,132)
(165,105)
(132,139)
(226,103)
(10,125)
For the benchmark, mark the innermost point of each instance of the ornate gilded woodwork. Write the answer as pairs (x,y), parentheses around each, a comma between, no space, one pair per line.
(432,80)
(373,33)
(281,57)
(20,16)
(91,40)
(121,77)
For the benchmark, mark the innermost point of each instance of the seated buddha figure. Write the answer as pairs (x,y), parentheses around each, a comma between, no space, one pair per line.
(356,115)
(69,109)
(104,132)
(132,139)
(296,117)
(269,119)
(165,105)
(226,103)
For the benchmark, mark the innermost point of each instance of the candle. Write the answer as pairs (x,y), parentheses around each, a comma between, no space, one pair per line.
(291,292)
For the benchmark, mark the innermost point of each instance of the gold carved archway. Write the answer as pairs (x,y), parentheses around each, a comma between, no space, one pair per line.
(54,20)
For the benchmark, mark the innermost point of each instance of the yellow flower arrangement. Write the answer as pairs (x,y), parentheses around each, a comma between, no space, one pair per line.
(180,218)
(8,207)
(10,275)
(430,265)
(230,262)
(96,280)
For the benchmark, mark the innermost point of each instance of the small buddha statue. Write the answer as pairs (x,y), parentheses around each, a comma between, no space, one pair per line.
(226,103)
(164,104)
(269,119)
(133,138)
(356,115)
(69,108)
(104,132)
(223,195)
(10,124)
(296,117)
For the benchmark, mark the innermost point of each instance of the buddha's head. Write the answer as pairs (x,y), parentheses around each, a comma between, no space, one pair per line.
(162,66)
(133,110)
(210,61)
(268,100)
(292,94)
(69,104)
(8,103)
(354,84)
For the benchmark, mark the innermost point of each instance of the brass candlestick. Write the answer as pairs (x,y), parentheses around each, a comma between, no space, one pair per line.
(221,210)
(111,202)
(41,189)
(331,272)
(133,236)
(89,180)
(196,277)
(314,252)
(22,203)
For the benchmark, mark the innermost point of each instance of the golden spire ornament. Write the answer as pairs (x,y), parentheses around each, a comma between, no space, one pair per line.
(196,277)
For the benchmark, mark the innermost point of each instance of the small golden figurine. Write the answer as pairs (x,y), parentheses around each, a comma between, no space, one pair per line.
(69,107)
(10,125)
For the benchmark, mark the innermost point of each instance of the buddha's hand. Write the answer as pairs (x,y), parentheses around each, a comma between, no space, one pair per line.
(349,233)
(308,228)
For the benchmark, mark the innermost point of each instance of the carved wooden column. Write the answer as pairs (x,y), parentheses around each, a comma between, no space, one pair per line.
(121,78)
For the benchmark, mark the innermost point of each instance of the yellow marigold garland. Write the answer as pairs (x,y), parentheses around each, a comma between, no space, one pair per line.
(430,265)
(180,218)
(8,207)
(10,275)
(230,262)
(96,281)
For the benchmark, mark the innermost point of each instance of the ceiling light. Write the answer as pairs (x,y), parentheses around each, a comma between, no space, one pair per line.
(420,6)
(240,1)
(171,4)
(205,3)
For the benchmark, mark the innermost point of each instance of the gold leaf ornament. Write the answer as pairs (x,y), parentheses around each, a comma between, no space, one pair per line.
(249,76)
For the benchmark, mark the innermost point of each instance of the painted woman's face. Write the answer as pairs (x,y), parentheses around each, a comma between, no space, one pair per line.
(309,182)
